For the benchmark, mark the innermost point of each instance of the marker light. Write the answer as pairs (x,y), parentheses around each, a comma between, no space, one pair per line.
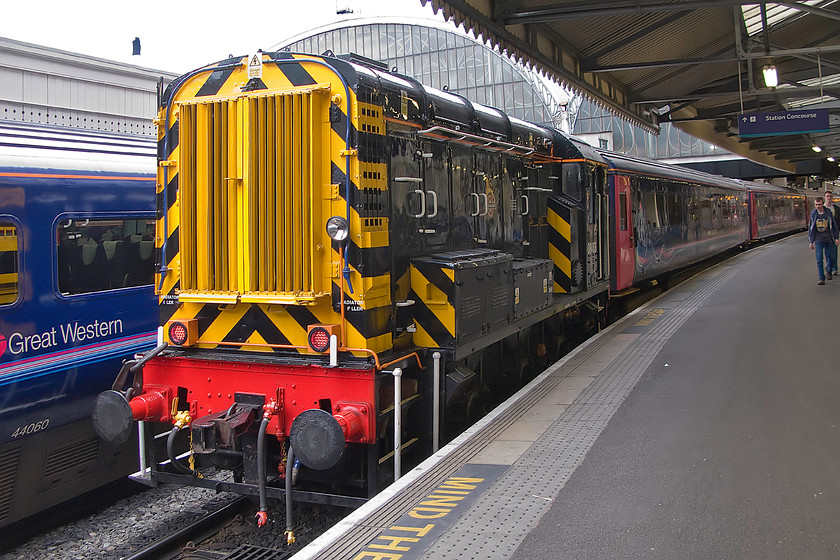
(182,332)
(337,228)
(319,339)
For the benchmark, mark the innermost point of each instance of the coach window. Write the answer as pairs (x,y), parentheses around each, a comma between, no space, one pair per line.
(622,211)
(98,254)
(675,210)
(9,283)
(651,212)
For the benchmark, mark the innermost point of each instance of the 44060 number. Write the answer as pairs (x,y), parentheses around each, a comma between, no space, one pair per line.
(32,428)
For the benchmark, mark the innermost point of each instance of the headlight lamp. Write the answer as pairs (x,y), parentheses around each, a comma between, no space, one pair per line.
(337,228)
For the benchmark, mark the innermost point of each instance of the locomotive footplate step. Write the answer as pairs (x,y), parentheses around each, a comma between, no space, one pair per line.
(664,436)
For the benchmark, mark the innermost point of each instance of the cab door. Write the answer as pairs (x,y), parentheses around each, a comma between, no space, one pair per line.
(434,210)
(408,203)
(465,202)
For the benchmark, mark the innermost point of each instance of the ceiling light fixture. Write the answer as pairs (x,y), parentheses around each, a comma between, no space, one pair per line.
(816,148)
(830,158)
(771,78)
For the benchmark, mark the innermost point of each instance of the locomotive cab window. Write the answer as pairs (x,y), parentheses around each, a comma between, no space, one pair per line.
(98,254)
(573,181)
(9,283)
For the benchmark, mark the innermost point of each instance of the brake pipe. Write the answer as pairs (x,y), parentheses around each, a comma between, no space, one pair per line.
(262,515)
(170,450)
(270,409)
(290,461)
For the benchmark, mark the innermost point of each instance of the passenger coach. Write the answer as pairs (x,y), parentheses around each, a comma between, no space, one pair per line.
(76,270)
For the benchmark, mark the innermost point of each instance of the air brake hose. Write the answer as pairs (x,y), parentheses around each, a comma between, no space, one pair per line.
(290,461)
(170,450)
(262,515)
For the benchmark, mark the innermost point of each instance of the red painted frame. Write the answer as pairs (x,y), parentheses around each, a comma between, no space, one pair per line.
(211,386)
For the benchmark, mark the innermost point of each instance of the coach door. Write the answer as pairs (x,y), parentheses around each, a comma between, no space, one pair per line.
(624,236)
(597,248)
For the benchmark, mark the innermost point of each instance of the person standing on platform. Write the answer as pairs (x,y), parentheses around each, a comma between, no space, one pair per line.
(822,234)
(835,211)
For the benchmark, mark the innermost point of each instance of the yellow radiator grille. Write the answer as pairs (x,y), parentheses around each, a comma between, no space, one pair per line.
(249,172)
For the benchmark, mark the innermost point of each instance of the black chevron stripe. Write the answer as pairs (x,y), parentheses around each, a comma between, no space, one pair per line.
(214,82)
(302,316)
(563,245)
(266,327)
(170,140)
(434,274)
(369,261)
(206,316)
(560,209)
(429,321)
(296,74)
(561,279)
(172,246)
(172,190)
(370,323)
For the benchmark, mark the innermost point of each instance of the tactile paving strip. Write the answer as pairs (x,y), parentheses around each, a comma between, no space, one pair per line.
(487,532)
(527,488)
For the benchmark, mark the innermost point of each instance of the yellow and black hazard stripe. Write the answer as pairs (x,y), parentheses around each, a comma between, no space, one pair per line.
(560,244)
(358,175)
(258,327)
(433,292)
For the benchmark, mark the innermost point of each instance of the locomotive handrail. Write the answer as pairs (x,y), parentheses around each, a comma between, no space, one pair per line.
(477,205)
(148,356)
(457,135)
(422,204)
(434,203)
(527,205)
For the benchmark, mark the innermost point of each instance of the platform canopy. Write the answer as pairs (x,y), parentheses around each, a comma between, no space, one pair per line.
(696,63)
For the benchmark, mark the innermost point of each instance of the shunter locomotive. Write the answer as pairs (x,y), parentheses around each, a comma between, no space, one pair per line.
(351,266)
(325,224)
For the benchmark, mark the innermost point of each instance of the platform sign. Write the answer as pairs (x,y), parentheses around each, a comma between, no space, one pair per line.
(782,122)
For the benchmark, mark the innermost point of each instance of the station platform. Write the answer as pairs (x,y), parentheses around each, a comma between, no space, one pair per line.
(704,425)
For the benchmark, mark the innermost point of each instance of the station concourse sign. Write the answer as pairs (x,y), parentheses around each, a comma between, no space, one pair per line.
(782,122)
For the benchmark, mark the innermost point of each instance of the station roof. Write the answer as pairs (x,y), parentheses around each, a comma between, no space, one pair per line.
(696,63)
